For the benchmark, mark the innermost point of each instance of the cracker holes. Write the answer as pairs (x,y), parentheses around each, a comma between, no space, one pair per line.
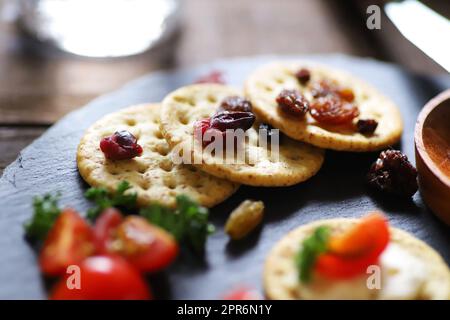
(145,185)
(159,135)
(142,170)
(166,166)
(171,185)
(130,122)
(212,99)
(183,119)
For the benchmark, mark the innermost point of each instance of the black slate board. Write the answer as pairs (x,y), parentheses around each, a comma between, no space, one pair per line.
(48,165)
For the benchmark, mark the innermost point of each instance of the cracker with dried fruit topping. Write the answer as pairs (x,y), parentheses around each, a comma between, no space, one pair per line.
(104,160)
(344,113)
(199,121)
(348,258)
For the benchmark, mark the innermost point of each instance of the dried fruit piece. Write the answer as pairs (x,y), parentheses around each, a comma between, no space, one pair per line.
(346,94)
(303,76)
(367,126)
(293,103)
(332,110)
(244,219)
(232,120)
(121,145)
(393,173)
(326,88)
(235,103)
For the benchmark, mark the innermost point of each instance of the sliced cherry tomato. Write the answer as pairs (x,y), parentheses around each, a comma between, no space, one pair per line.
(69,242)
(243,294)
(148,247)
(351,253)
(104,278)
(105,229)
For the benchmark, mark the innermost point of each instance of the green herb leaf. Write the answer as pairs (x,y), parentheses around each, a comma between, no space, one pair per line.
(311,248)
(46,211)
(187,223)
(104,199)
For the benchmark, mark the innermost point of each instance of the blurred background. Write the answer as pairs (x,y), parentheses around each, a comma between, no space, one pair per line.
(56,55)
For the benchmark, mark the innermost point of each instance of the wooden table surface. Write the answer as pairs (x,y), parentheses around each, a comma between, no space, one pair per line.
(38,84)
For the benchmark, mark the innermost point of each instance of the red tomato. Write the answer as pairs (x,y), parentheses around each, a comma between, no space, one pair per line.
(69,242)
(104,278)
(351,253)
(148,247)
(105,228)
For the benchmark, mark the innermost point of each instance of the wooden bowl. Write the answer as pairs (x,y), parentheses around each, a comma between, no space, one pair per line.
(432,140)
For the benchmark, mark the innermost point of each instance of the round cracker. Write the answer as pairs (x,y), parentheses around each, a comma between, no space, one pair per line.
(295,162)
(263,86)
(152,176)
(281,275)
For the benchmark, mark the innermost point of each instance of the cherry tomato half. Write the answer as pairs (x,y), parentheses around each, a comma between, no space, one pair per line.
(148,247)
(69,242)
(105,228)
(104,278)
(351,253)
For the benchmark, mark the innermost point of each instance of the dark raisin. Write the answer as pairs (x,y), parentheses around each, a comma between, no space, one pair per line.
(235,103)
(121,145)
(303,76)
(367,126)
(393,173)
(332,110)
(232,120)
(212,77)
(293,103)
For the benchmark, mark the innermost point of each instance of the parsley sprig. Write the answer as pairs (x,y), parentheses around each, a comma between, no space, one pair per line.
(103,199)
(46,211)
(187,223)
(311,248)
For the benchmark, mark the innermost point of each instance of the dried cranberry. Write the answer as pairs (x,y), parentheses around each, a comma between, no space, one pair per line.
(212,77)
(393,173)
(200,127)
(303,76)
(235,103)
(332,110)
(293,103)
(121,145)
(232,120)
(367,126)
